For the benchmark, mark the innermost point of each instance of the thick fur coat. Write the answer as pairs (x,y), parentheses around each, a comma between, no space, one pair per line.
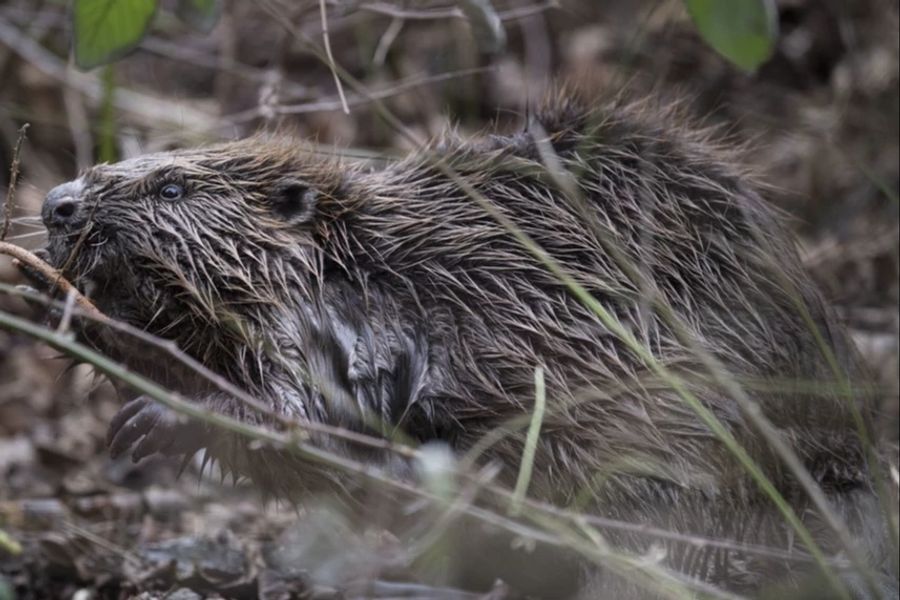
(387,299)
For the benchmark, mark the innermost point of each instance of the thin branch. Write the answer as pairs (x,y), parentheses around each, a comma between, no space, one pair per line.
(512,14)
(326,40)
(52,274)
(402,86)
(13,179)
(387,40)
(329,105)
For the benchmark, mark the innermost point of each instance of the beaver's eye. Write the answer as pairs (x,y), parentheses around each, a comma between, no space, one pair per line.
(171,191)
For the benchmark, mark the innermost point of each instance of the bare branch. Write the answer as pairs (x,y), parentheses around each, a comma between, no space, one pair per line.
(383,8)
(327,43)
(52,274)
(13,178)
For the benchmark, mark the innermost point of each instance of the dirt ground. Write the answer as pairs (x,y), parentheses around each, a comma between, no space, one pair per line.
(819,120)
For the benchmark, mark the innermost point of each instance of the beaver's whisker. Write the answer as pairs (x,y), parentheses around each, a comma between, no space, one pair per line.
(27,221)
(23,236)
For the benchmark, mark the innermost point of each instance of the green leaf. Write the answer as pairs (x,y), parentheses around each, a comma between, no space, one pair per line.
(743,31)
(9,544)
(108,29)
(199,14)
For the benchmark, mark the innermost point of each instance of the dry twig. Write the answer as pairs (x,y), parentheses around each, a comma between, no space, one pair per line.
(24,256)
(13,178)
(390,10)
(326,41)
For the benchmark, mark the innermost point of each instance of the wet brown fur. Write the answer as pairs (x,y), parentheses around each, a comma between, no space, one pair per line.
(392,300)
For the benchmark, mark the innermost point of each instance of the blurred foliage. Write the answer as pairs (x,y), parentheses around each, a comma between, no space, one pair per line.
(10,545)
(199,14)
(743,31)
(105,30)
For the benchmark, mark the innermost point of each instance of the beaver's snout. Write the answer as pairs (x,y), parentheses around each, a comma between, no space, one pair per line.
(62,206)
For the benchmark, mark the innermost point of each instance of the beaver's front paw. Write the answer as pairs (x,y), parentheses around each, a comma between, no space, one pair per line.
(147,427)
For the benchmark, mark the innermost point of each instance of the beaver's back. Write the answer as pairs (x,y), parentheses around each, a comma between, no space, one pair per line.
(654,222)
(677,244)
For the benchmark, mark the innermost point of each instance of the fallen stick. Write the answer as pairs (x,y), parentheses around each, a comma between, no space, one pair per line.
(24,256)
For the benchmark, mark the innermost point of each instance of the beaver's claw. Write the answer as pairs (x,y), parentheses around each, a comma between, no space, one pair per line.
(147,427)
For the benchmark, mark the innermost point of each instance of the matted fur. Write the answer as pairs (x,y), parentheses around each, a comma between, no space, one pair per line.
(398,303)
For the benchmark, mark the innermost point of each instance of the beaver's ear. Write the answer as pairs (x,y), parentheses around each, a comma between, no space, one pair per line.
(294,201)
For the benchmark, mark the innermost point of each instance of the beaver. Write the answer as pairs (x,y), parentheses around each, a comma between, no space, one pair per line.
(386,298)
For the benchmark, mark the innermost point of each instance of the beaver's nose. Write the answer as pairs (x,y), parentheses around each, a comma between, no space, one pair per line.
(62,205)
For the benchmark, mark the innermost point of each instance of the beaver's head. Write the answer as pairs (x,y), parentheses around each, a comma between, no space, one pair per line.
(199,231)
